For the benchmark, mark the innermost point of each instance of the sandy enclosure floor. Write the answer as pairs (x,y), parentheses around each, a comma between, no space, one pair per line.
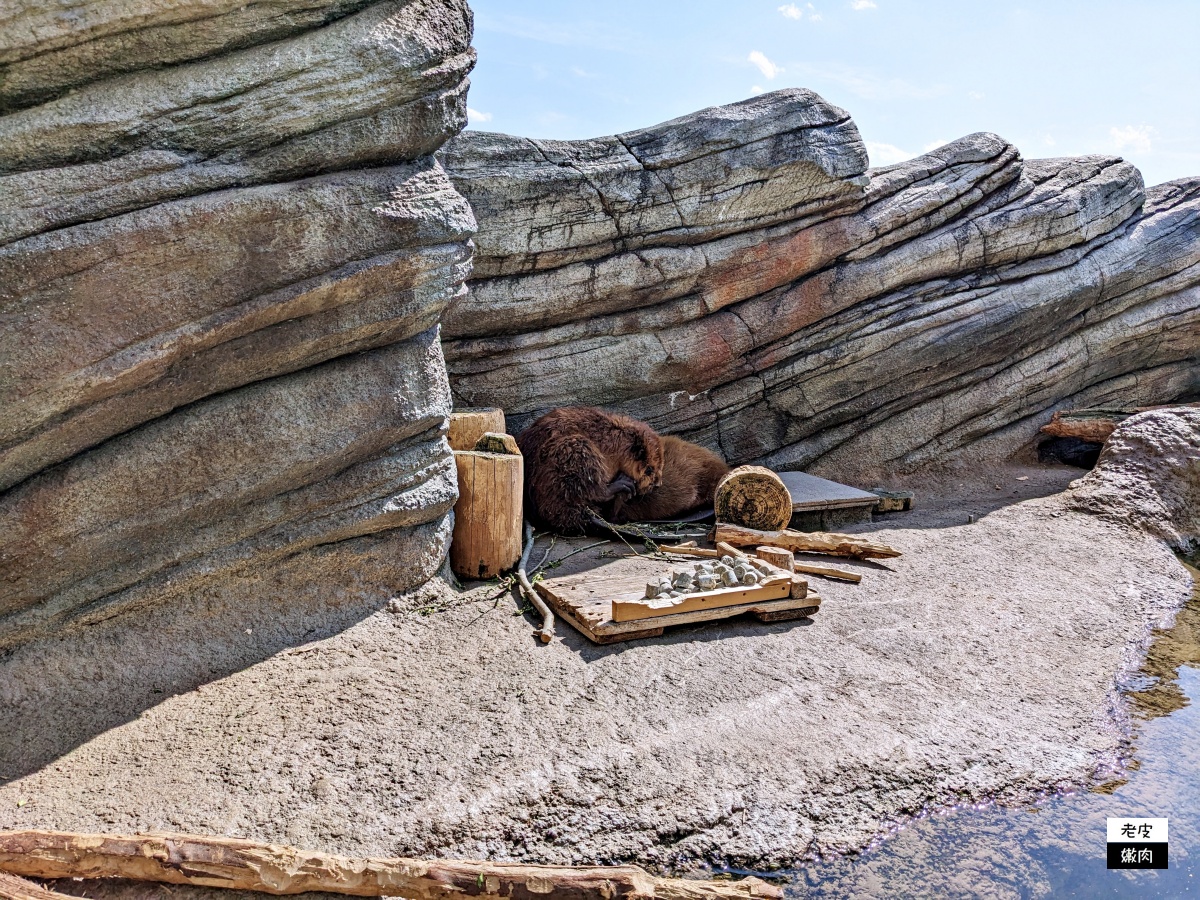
(981,663)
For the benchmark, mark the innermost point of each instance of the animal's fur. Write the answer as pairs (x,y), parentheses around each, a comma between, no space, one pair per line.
(578,459)
(690,474)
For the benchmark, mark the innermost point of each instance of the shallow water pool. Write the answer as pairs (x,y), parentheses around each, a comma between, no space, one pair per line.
(1057,849)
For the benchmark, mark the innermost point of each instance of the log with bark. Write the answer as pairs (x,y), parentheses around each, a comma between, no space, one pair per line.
(804,542)
(273,869)
(1095,425)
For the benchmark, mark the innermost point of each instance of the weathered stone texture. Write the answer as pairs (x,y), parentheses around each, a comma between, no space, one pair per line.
(1149,476)
(947,305)
(224,255)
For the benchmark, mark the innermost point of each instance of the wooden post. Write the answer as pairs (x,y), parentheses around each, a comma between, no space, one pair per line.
(754,497)
(488,514)
(467,426)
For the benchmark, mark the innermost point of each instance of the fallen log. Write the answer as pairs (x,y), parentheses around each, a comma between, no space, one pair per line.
(804,542)
(14,888)
(274,869)
(1095,425)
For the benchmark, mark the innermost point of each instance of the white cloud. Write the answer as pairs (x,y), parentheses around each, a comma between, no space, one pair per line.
(791,11)
(815,17)
(975,95)
(768,68)
(933,145)
(1049,140)
(863,4)
(474,115)
(757,89)
(1135,138)
(582,73)
(885,154)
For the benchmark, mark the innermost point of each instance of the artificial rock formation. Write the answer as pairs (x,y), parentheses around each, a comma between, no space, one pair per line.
(738,277)
(224,251)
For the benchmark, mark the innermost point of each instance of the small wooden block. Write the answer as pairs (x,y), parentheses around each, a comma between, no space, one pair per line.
(828,572)
(799,588)
(893,501)
(778,557)
(730,550)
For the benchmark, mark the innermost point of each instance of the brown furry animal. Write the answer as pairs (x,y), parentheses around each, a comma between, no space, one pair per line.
(578,459)
(689,480)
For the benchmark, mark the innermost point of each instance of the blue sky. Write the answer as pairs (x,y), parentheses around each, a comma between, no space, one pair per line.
(1055,78)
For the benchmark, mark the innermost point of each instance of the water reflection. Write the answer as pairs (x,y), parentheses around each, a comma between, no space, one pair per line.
(1058,848)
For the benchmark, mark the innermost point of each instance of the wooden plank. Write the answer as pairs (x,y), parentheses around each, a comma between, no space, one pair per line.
(631,607)
(584,600)
(810,492)
(827,572)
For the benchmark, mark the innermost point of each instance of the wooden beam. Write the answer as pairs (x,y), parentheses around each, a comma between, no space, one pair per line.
(827,572)
(805,542)
(1095,425)
(274,869)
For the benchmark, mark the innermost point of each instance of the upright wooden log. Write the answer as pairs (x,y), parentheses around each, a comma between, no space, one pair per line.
(272,869)
(753,497)
(467,426)
(805,542)
(488,514)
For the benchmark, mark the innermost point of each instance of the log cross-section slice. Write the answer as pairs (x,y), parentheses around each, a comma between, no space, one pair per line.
(272,869)
(754,497)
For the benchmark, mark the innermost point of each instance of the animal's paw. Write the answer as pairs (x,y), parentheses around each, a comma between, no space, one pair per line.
(622,486)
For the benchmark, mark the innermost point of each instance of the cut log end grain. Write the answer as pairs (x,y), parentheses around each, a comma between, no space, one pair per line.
(467,426)
(753,497)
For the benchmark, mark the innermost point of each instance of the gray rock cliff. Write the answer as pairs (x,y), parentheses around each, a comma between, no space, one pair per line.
(763,293)
(224,253)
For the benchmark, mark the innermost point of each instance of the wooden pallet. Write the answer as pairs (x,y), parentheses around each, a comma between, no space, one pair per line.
(586,601)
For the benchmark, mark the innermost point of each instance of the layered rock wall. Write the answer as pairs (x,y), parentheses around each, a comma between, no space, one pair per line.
(738,277)
(224,251)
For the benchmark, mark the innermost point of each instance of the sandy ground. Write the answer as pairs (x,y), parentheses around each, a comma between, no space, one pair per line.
(982,663)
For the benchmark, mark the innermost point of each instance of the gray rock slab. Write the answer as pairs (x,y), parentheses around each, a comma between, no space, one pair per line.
(110,324)
(716,172)
(960,300)
(333,453)
(49,47)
